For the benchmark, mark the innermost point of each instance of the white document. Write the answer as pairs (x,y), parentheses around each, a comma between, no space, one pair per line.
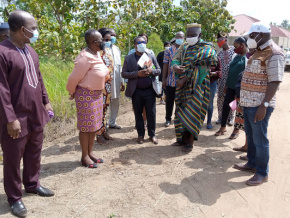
(144,58)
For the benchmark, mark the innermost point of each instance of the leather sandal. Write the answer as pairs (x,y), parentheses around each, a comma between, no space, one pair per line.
(220,132)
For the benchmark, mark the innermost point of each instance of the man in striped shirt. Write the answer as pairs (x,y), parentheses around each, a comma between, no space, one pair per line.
(263,74)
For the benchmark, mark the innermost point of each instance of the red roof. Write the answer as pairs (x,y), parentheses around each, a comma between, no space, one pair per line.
(244,22)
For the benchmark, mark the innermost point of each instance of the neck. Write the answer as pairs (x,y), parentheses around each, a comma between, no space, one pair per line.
(244,52)
(92,50)
(138,53)
(226,47)
(18,43)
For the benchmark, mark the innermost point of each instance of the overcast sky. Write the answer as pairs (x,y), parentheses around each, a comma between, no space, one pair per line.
(265,10)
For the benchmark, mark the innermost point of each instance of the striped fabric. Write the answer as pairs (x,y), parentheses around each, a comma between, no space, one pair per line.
(193,98)
(29,67)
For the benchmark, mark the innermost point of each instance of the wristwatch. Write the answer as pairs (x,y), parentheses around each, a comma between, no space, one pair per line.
(266,104)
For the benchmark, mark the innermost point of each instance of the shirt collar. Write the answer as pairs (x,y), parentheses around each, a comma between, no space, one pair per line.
(266,44)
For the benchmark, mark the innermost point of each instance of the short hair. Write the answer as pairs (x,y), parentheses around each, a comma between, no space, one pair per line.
(166,43)
(241,40)
(135,39)
(104,31)
(88,34)
(16,20)
(144,34)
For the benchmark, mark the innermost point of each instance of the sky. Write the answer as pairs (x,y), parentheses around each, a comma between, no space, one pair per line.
(264,10)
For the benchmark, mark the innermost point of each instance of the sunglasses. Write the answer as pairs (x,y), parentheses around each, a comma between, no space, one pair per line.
(107,40)
(142,42)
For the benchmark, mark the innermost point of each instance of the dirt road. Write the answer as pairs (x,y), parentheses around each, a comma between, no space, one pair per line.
(159,180)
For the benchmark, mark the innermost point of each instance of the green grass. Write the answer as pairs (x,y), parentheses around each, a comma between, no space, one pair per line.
(55,73)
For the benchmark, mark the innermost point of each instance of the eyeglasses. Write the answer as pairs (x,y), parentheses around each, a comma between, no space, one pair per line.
(142,42)
(107,40)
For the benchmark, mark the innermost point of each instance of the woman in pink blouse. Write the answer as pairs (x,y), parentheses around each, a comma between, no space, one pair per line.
(85,85)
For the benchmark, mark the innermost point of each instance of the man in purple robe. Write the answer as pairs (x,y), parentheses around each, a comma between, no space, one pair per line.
(24,108)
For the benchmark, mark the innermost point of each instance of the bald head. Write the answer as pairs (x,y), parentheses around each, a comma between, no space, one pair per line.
(18,19)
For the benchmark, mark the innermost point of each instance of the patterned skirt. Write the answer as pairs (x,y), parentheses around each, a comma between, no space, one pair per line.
(89,106)
(239,119)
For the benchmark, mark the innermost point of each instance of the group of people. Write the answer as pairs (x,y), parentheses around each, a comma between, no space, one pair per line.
(189,71)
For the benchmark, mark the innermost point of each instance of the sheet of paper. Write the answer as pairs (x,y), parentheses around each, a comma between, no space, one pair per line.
(144,58)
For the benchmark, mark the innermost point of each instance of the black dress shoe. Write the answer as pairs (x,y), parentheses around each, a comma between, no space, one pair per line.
(41,191)
(140,140)
(18,209)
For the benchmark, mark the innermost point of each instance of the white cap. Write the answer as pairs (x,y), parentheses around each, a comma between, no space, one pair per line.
(259,27)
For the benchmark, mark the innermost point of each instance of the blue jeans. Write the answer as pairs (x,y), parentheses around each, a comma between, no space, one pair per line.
(258,143)
(213,87)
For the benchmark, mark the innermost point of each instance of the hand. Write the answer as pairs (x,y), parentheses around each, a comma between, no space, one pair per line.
(225,90)
(261,113)
(213,73)
(122,87)
(148,64)
(48,107)
(149,71)
(179,69)
(71,96)
(143,73)
(14,129)
(180,83)
(164,84)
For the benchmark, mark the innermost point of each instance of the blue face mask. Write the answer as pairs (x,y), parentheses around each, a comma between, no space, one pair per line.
(113,38)
(179,41)
(107,44)
(141,47)
(34,37)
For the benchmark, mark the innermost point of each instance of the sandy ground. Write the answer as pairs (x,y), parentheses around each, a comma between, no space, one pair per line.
(159,180)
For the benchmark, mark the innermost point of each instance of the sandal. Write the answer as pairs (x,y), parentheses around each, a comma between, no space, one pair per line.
(93,165)
(187,148)
(242,149)
(106,136)
(98,160)
(177,144)
(101,140)
(220,132)
(234,135)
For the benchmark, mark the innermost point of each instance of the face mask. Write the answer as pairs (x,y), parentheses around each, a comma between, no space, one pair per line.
(252,42)
(167,48)
(179,41)
(192,40)
(239,50)
(141,47)
(221,43)
(34,37)
(107,44)
(113,38)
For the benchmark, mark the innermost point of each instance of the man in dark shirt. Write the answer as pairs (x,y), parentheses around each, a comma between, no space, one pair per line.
(160,58)
(24,107)
(4,31)
(142,88)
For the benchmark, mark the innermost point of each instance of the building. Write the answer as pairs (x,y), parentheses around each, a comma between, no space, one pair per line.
(243,23)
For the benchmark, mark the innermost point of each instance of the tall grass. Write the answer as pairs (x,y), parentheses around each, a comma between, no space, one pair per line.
(55,73)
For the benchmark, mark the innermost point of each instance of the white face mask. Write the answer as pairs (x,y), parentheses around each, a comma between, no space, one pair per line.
(167,48)
(252,42)
(34,37)
(141,47)
(192,40)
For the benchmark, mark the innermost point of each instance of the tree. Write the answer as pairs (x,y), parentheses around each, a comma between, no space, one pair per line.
(285,24)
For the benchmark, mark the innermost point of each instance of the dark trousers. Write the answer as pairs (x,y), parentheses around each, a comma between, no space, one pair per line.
(140,99)
(28,148)
(170,96)
(230,96)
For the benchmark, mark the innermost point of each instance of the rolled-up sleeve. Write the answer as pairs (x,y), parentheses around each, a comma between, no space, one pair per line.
(275,68)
